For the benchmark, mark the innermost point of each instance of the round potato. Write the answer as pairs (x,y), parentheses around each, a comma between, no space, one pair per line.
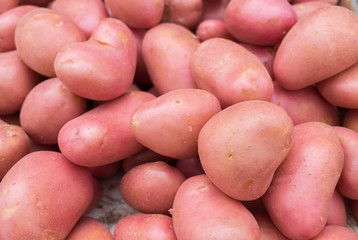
(212,28)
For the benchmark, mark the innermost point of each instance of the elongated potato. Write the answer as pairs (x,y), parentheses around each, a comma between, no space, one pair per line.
(315,159)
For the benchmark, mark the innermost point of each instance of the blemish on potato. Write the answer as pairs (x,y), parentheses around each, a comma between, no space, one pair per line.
(190,129)
(134,122)
(247,184)
(2,158)
(75,131)
(230,156)
(59,24)
(7,213)
(178,101)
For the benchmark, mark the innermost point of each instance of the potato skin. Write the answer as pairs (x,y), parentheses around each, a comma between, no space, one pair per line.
(201,211)
(170,124)
(317,47)
(89,228)
(350,119)
(268,231)
(315,159)
(42,197)
(305,8)
(337,210)
(230,72)
(8,5)
(212,28)
(240,159)
(336,233)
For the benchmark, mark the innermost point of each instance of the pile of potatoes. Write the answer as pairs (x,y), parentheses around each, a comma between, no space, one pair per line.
(225,119)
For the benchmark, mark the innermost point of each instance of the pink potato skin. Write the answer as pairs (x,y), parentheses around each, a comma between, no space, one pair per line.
(103,67)
(332,2)
(160,44)
(230,72)
(37,115)
(151,187)
(336,233)
(315,159)
(170,124)
(214,9)
(42,197)
(140,14)
(39,36)
(247,24)
(241,159)
(305,105)
(103,135)
(8,22)
(87,14)
(17,80)
(107,170)
(337,210)
(190,167)
(317,47)
(212,28)
(148,226)
(89,228)
(350,119)
(268,231)
(303,9)
(201,211)
(7,5)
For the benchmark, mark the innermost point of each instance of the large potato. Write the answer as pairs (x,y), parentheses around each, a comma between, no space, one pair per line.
(299,196)
(42,197)
(170,124)
(201,211)
(303,9)
(230,72)
(241,147)
(317,47)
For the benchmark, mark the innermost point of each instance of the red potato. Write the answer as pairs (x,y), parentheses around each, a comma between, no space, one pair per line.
(42,197)
(160,44)
(230,72)
(170,124)
(39,36)
(89,228)
(103,134)
(214,9)
(317,47)
(247,24)
(106,171)
(201,211)
(103,67)
(332,2)
(145,226)
(241,159)
(97,195)
(7,5)
(37,115)
(336,233)
(8,22)
(151,187)
(337,210)
(303,9)
(40,3)
(140,14)
(183,12)
(212,28)
(350,119)
(305,105)
(268,231)
(17,80)
(190,166)
(341,89)
(14,144)
(87,14)
(315,159)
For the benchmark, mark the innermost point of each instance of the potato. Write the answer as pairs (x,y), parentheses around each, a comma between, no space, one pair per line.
(247,24)
(183,12)
(317,47)
(7,5)
(230,72)
(241,159)
(332,2)
(106,171)
(14,144)
(170,124)
(103,67)
(87,14)
(103,135)
(298,209)
(8,22)
(160,44)
(202,211)
(190,166)
(136,13)
(40,34)
(303,9)
(337,210)
(341,89)
(17,80)
(212,28)
(97,195)
(305,105)
(89,228)
(336,233)
(37,115)
(148,226)
(151,187)
(40,3)
(350,119)
(268,231)
(214,9)
(42,197)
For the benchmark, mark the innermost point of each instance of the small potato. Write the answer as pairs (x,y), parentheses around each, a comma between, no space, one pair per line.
(201,211)
(89,228)
(37,115)
(214,9)
(42,197)
(170,124)
(106,171)
(241,159)
(103,134)
(336,233)
(17,80)
(350,119)
(190,166)
(160,44)
(298,199)
(40,34)
(230,72)
(268,231)
(337,210)
(317,47)
(151,187)
(303,9)
(148,226)
(212,28)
